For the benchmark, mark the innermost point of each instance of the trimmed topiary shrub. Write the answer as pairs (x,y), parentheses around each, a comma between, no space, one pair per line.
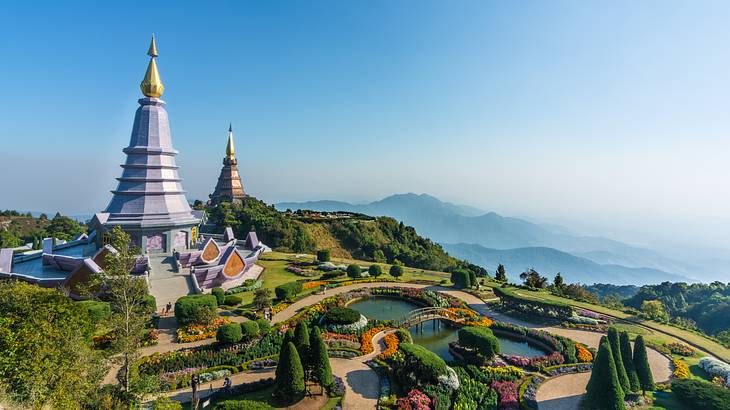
(249,330)
(480,339)
(232,300)
(264,326)
(604,389)
(375,271)
(460,278)
(288,291)
(404,336)
(354,271)
(324,255)
(319,359)
(194,308)
(98,311)
(289,385)
(396,271)
(641,364)
(701,395)
(342,316)
(623,378)
(220,295)
(229,333)
(628,357)
(332,274)
(420,366)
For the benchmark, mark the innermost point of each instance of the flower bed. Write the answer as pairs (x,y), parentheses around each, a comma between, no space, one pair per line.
(262,364)
(391,346)
(338,387)
(502,373)
(679,349)
(366,340)
(193,333)
(528,392)
(591,328)
(351,328)
(582,354)
(150,338)
(535,363)
(246,287)
(507,394)
(338,336)
(416,400)
(314,284)
(715,367)
(307,273)
(568,368)
(681,370)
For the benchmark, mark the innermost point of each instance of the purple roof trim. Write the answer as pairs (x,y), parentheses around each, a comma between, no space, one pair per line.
(252,241)
(228,234)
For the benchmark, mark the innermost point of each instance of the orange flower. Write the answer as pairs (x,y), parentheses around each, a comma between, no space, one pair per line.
(584,355)
(366,340)
(316,283)
(391,346)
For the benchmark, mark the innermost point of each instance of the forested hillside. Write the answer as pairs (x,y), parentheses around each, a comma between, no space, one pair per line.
(380,239)
(17,229)
(708,305)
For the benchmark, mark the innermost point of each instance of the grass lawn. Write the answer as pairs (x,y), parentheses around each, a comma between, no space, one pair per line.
(275,274)
(667,400)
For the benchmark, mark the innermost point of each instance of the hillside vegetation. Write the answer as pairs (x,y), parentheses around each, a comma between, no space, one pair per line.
(17,229)
(380,239)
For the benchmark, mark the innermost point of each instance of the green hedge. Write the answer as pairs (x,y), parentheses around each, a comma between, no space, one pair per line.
(232,300)
(98,311)
(249,330)
(425,364)
(220,295)
(701,395)
(324,255)
(229,333)
(288,291)
(188,308)
(264,326)
(342,315)
(480,339)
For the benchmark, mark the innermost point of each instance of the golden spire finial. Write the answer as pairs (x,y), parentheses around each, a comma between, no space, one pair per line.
(230,151)
(151,84)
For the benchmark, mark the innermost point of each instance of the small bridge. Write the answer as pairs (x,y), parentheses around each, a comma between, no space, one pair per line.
(418,316)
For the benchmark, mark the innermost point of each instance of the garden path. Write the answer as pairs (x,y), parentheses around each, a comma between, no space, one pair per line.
(363,384)
(565,392)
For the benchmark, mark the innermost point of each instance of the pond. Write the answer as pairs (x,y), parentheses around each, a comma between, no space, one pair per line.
(434,338)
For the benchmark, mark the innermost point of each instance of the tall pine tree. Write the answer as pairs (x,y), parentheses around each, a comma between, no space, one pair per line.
(641,364)
(604,389)
(320,362)
(289,385)
(628,357)
(623,378)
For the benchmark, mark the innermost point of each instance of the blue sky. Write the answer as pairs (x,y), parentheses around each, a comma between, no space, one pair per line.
(610,114)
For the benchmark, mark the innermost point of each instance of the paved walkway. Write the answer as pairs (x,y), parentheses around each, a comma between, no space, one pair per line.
(363,384)
(166,283)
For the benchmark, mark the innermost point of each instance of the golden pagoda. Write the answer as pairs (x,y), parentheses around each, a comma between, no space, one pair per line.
(229,187)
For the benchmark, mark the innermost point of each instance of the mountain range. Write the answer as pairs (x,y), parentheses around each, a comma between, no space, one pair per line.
(487,239)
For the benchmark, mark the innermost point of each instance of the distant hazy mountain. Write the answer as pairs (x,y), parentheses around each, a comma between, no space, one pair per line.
(549,261)
(449,223)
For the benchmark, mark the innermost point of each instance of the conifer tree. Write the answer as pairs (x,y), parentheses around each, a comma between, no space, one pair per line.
(623,378)
(628,358)
(500,275)
(320,362)
(288,337)
(604,390)
(641,364)
(289,384)
(301,342)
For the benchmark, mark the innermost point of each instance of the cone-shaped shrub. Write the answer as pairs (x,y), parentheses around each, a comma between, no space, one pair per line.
(641,364)
(623,378)
(628,357)
(604,390)
(289,375)
(321,370)
(301,341)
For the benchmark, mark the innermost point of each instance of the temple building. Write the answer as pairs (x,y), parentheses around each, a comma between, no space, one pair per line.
(229,187)
(149,202)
